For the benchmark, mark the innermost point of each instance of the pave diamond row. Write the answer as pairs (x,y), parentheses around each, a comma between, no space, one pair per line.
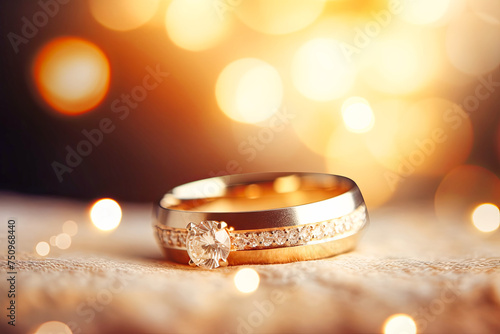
(277,237)
(172,238)
(299,235)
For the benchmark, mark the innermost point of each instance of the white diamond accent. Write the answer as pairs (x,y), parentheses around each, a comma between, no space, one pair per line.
(239,242)
(207,244)
(306,233)
(264,239)
(317,231)
(329,228)
(279,237)
(293,236)
(252,240)
(174,238)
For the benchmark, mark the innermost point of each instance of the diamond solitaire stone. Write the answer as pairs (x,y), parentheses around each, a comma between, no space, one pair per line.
(208,244)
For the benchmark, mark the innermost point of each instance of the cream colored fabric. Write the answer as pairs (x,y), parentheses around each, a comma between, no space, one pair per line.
(446,276)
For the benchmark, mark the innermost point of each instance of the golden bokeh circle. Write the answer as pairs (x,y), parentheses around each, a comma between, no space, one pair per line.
(277,17)
(123,15)
(71,74)
(249,90)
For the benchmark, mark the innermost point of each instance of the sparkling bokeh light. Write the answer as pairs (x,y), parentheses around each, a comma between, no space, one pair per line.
(106,214)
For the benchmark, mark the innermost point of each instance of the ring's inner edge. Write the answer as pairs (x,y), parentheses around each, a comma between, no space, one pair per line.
(229,195)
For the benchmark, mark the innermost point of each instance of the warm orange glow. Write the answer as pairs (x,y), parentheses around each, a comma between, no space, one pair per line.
(433,136)
(253,191)
(487,10)
(321,71)
(401,65)
(286,184)
(347,154)
(196,25)
(123,14)
(316,127)
(106,214)
(249,90)
(71,74)
(381,140)
(428,137)
(399,324)
(462,189)
(279,16)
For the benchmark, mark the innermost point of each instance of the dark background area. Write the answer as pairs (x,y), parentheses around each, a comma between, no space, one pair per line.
(178,133)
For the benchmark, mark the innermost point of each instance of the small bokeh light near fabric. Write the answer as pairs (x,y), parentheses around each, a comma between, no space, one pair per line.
(63,241)
(400,324)
(462,189)
(70,227)
(247,280)
(42,248)
(486,217)
(106,214)
(51,327)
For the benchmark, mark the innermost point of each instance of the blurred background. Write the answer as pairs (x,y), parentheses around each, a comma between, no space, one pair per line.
(113,102)
(126,99)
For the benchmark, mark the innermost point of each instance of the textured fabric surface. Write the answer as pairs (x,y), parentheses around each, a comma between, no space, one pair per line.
(445,275)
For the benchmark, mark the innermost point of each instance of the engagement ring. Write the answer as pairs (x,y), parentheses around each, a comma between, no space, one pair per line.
(260,218)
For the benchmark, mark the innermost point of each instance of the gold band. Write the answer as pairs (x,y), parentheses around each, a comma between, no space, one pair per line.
(270,217)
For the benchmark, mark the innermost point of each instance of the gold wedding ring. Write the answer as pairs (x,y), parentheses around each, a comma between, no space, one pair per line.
(260,218)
